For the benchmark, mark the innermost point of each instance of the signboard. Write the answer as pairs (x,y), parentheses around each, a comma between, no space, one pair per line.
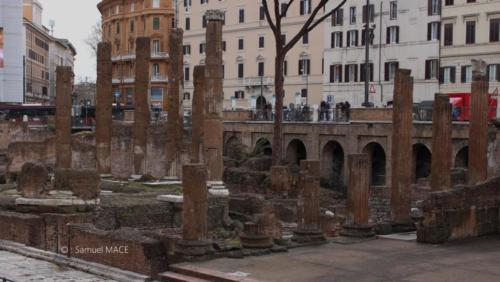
(372,89)
(1,48)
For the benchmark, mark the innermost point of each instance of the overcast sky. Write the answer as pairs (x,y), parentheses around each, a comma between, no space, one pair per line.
(74,20)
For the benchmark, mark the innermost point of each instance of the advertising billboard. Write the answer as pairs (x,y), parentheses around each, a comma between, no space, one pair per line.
(1,47)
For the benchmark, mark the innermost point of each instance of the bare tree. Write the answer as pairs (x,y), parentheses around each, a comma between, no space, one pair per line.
(94,37)
(282,48)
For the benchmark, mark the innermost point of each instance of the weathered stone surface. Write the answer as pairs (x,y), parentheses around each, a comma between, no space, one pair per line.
(175,123)
(64,87)
(34,180)
(280,180)
(198,114)
(141,104)
(478,131)
(104,104)
(441,143)
(85,184)
(27,229)
(402,125)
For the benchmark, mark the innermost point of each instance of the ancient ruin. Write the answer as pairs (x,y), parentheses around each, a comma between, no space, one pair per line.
(104,106)
(441,143)
(63,117)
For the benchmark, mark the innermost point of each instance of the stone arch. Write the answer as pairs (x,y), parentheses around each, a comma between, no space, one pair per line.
(378,160)
(233,147)
(263,147)
(332,165)
(422,158)
(295,152)
(462,158)
(261,102)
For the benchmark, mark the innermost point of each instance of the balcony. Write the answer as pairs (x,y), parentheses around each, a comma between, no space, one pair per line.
(126,57)
(159,78)
(159,55)
(258,81)
(125,79)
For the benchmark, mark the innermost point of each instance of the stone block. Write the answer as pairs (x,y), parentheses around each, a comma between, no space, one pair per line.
(22,228)
(33,180)
(85,183)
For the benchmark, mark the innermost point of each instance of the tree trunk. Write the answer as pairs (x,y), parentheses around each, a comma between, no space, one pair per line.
(278,107)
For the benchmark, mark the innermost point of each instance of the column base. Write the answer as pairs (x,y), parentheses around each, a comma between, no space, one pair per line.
(217,188)
(308,236)
(357,230)
(188,249)
(402,227)
(256,241)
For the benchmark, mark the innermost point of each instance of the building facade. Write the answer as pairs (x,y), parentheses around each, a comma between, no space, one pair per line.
(122,22)
(61,53)
(11,51)
(249,52)
(470,30)
(404,34)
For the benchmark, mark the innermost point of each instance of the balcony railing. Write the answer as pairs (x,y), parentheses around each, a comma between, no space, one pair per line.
(258,81)
(125,79)
(159,55)
(126,57)
(159,78)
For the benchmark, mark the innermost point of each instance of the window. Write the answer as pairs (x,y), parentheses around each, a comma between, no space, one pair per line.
(261,69)
(303,93)
(390,70)
(394,10)
(305,7)
(283,39)
(187,24)
(470,32)
(203,1)
(187,96)
(338,17)
(132,7)
(336,40)
(466,74)
(156,93)
(493,72)
(224,45)
(204,21)
(156,70)
(241,69)
(262,13)
(447,75)
(240,94)
(186,49)
(433,31)
(241,16)
(362,72)
(431,69)
(241,44)
(352,38)
(187,3)
(434,7)
(335,73)
(304,67)
(363,37)
(285,68)
(261,41)
(352,15)
(156,3)
(448,2)
(448,34)
(283,9)
(202,48)
(351,73)
(132,26)
(305,38)
(156,23)
(118,28)
(494,30)
(156,46)
(186,73)
(392,35)
(370,13)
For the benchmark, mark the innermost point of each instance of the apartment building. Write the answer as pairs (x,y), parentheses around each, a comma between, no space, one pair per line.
(61,53)
(403,34)
(470,30)
(122,22)
(249,52)
(11,51)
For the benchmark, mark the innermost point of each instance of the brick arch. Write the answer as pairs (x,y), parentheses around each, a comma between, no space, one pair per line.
(295,151)
(333,158)
(421,161)
(263,147)
(379,163)
(461,158)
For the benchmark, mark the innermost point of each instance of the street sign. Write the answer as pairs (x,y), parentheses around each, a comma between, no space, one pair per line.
(372,89)
(117,94)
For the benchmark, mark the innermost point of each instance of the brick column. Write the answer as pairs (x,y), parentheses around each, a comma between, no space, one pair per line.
(175,122)
(308,206)
(64,87)
(401,165)
(198,114)
(441,143)
(194,212)
(478,131)
(104,106)
(358,193)
(280,183)
(213,138)
(141,104)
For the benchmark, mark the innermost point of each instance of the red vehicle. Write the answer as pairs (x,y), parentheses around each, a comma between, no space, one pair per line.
(461,106)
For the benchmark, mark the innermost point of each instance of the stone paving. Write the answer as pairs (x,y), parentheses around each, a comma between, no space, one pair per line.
(22,269)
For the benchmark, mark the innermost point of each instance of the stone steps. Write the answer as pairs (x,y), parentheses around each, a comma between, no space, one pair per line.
(199,274)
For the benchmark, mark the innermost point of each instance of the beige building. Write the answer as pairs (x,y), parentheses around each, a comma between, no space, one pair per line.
(250,51)
(122,22)
(470,30)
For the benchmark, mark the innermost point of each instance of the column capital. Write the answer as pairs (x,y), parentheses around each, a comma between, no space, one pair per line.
(214,15)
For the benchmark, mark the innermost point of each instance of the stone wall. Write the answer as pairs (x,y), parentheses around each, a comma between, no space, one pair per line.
(237,115)
(19,153)
(379,114)
(463,212)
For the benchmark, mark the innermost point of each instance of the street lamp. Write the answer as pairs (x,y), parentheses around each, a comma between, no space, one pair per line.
(368,37)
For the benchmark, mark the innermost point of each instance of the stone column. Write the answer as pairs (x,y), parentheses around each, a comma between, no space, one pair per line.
(401,165)
(64,88)
(198,114)
(104,107)
(308,206)
(175,122)
(280,182)
(213,138)
(358,193)
(194,212)
(441,143)
(478,131)
(141,103)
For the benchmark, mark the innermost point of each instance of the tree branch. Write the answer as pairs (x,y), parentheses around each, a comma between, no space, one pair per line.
(268,17)
(287,6)
(324,17)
